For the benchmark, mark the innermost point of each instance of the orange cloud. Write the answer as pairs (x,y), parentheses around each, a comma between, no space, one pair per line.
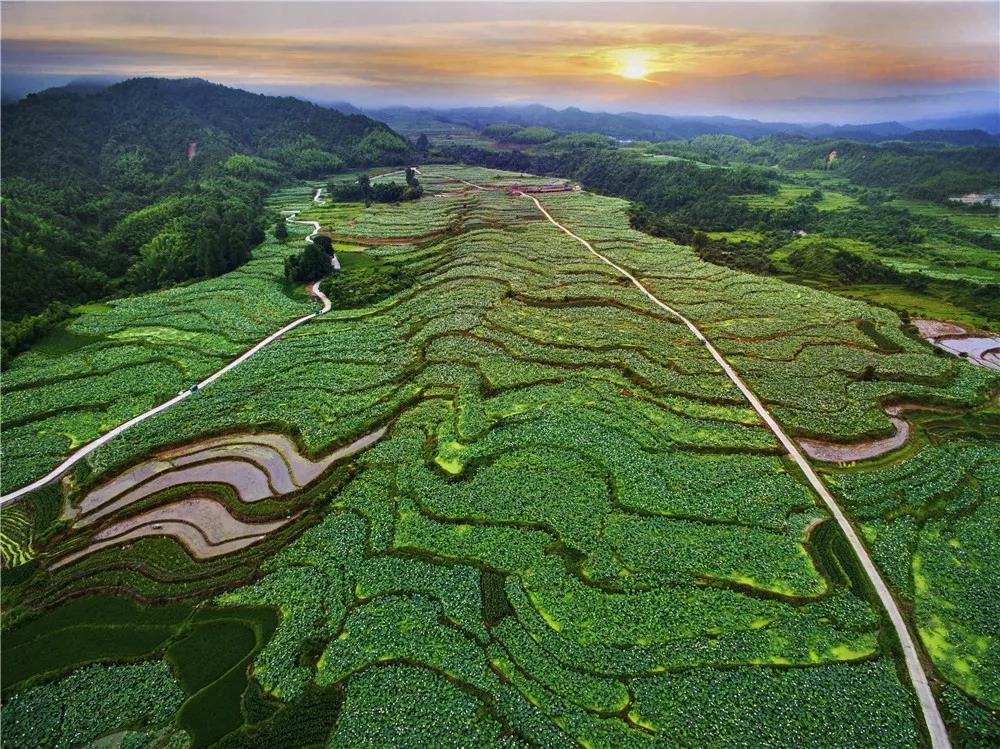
(506,57)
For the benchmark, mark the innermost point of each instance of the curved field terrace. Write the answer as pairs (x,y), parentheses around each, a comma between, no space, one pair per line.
(513,502)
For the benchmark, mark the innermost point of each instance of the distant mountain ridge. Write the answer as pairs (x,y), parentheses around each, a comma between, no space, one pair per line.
(646,126)
(657,127)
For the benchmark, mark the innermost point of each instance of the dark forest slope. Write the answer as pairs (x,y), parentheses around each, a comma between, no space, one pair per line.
(100,196)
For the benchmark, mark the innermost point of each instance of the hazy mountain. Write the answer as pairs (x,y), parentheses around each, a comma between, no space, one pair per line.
(955,137)
(657,127)
(986,121)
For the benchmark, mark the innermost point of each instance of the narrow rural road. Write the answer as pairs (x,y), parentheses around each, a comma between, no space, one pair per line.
(932,716)
(290,218)
(84,451)
(318,197)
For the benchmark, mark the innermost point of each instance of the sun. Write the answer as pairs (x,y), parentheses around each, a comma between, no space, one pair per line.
(634,69)
(633,63)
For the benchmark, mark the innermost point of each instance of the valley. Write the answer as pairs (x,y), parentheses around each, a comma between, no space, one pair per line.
(557,494)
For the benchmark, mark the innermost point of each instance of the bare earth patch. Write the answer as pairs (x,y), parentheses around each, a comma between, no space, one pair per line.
(936,328)
(838,452)
(202,525)
(983,350)
(832,452)
(256,466)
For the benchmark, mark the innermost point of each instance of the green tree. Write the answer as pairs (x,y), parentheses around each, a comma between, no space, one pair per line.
(365,183)
(311,265)
(323,243)
(281,230)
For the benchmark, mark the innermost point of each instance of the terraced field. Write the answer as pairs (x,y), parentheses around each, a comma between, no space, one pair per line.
(931,519)
(572,529)
(116,361)
(787,194)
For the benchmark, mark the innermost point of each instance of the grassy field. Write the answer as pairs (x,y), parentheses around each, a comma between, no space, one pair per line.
(656,158)
(412,124)
(788,193)
(917,304)
(941,270)
(575,531)
(209,651)
(986,222)
(932,259)
(737,236)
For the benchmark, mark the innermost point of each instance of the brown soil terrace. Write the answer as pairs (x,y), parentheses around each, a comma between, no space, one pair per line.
(979,348)
(834,452)
(256,466)
(204,527)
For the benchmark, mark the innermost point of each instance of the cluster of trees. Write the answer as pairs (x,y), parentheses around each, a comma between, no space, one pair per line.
(151,182)
(747,256)
(312,264)
(363,190)
(916,171)
(31,327)
(367,284)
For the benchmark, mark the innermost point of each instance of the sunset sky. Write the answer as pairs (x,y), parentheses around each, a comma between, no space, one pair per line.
(804,61)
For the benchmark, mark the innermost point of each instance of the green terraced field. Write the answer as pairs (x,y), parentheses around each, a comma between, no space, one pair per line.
(574,532)
(788,193)
(118,360)
(979,220)
(931,520)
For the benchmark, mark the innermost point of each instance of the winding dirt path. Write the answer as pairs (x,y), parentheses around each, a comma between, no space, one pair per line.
(932,716)
(84,451)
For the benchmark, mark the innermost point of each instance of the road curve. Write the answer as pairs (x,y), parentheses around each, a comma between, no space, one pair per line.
(290,219)
(84,451)
(932,716)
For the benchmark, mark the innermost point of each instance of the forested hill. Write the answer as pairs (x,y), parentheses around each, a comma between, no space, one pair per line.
(150,182)
(50,138)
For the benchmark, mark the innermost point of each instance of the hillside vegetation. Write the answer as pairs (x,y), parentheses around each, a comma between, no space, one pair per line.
(568,527)
(149,183)
(866,221)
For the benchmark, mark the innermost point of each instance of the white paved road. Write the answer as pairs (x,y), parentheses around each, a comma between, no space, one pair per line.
(932,716)
(290,218)
(84,451)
